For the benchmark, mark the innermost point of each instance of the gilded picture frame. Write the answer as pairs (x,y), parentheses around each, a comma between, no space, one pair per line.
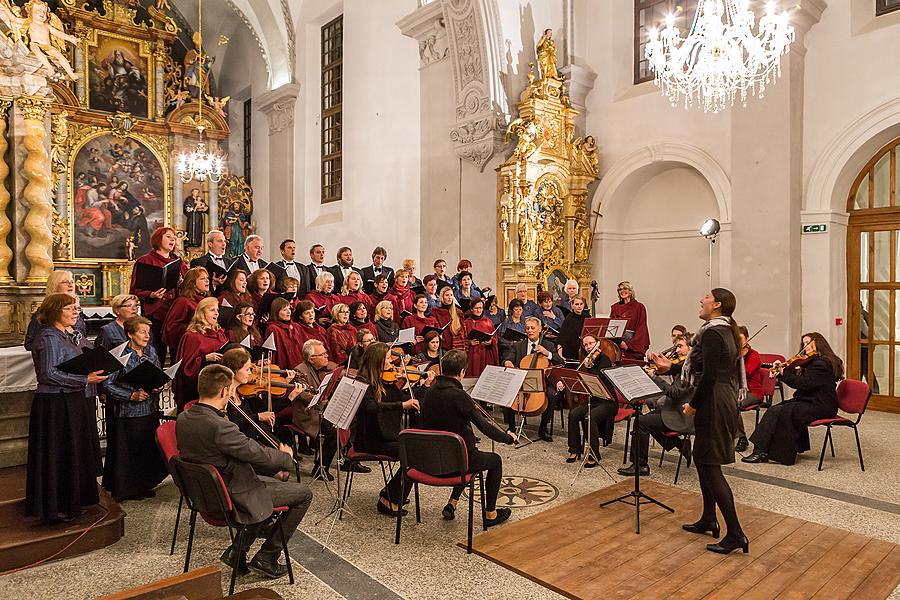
(119,74)
(118,192)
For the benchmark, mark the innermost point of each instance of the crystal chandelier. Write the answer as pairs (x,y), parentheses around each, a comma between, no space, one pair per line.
(721,58)
(200,164)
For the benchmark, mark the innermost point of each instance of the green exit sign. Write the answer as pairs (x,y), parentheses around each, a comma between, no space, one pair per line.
(818,228)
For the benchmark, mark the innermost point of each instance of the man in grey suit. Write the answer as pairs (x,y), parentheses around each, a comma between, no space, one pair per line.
(204,435)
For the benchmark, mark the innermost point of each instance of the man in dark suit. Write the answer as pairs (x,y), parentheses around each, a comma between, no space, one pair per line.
(447,407)
(288,267)
(316,266)
(205,436)
(215,254)
(251,260)
(343,267)
(514,356)
(379,255)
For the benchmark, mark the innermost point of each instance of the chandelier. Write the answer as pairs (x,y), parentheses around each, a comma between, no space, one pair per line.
(200,164)
(721,58)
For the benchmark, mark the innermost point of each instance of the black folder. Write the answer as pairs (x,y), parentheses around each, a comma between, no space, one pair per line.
(480,336)
(215,270)
(225,314)
(152,277)
(91,360)
(513,335)
(148,377)
(265,304)
(428,328)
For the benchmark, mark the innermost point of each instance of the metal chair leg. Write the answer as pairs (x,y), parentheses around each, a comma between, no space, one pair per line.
(177,519)
(824,446)
(831,442)
(678,467)
(187,556)
(418,510)
(859,448)
(400,507)
(471,513)
(483,512)
(239,546)
(287,556)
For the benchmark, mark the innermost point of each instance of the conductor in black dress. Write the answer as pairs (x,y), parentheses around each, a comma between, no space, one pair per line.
(712,368)
(447,407)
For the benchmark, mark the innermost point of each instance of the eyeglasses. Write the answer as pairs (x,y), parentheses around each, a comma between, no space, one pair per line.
(319,354)
(248,314)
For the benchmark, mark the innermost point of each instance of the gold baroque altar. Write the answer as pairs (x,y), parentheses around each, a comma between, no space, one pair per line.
(544,226)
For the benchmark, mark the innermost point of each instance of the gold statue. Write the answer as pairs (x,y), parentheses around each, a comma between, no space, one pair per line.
(162,5)
(41,32)
(546,55)
(530,138)
(528,231)
(583,234)
(218,104)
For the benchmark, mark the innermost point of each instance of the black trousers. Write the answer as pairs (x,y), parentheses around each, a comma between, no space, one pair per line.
(297,497)
(601,412)
(493,464)
(749,400)
(509,414)
(651,425)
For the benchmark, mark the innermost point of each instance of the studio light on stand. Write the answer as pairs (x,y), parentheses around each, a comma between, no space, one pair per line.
(710,229)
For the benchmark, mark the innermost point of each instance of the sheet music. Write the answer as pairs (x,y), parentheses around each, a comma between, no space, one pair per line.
(345,402)
(119,350)
(318,396)
(406,336)
(173,370)
(594,386)
(468,384)
(499,385)
(616,328)
(632,381)
(269,344)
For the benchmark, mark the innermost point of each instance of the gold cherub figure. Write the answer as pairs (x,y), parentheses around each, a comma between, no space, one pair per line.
(42,32)
(218,104)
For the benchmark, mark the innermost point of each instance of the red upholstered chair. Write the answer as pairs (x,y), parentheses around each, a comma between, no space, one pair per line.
(188,406)
(768,359)
(437,458)
(624,414)
(351,456)
(853,398)
(206,494)
(165,440)
(685,439)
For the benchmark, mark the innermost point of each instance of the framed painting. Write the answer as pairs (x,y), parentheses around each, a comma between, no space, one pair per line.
(119,75)
(117,197)
(555,279)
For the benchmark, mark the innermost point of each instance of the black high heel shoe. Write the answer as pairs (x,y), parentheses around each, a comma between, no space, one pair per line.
(701,528)
(729,544)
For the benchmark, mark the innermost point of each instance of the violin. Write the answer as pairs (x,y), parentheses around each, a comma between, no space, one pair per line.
(801,359)
(398,374)
(268,380)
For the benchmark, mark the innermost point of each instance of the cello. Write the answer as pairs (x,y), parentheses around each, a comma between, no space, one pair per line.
(533,403)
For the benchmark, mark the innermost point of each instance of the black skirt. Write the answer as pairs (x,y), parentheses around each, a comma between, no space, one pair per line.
(134,464)
(63,456)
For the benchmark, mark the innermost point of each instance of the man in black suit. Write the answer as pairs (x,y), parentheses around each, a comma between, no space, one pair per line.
(205,435)
(288,267)
(447,407)
(215,254)
(251,260)
(343,267)
(316,266)
(379,255)
(514,356)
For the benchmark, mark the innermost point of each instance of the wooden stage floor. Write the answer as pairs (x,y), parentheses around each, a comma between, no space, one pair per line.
(583,551)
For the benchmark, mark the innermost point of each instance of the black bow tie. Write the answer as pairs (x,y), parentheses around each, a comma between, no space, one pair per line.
(289,264)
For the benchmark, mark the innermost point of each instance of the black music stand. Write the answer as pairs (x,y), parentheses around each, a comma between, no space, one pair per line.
(533,384)
(635,497)
(573,382)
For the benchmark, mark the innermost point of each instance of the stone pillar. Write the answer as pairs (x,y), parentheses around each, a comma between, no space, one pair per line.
(278,106)
(6,252)
(159,98)
(37,192)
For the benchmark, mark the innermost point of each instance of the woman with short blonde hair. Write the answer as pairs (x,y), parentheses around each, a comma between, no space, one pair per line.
(201,343)
(113,334)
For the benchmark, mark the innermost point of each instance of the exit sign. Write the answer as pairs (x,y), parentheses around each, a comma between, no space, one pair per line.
(818,228)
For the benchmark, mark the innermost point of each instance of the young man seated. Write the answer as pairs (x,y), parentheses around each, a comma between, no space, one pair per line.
(256,476)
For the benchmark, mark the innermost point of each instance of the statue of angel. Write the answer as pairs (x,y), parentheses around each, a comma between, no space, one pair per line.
(42,32)
(218,104)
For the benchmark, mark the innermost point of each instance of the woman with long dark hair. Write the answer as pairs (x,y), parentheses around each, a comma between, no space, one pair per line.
(712,368)
(194,288)
(782,432)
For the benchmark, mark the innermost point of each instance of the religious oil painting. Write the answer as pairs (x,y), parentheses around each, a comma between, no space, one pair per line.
(118,197)
(556,281)
(118,77)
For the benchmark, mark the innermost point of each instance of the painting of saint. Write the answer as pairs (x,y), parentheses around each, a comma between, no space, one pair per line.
(118,193)
(118,77)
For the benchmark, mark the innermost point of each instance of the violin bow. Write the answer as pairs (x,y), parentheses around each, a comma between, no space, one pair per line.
(275,444)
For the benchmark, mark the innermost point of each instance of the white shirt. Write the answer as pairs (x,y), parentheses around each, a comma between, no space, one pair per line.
(219,261)
(252,265)
(290,267)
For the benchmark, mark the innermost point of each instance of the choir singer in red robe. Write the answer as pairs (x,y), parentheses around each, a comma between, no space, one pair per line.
(630,309)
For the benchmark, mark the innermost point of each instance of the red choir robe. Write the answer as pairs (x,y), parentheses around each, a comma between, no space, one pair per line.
(288,347)
(418,323)
(320,299)
(365,325)
(359,296)
(237,336)
(192,350)
(234,298)
(310,332)
(480,356)
(155,308)
(402,300)
(341,339)
(636,315)
(178,318)
(442,318)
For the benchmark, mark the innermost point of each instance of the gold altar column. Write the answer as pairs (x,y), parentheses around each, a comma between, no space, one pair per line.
(37,194)
(6,252)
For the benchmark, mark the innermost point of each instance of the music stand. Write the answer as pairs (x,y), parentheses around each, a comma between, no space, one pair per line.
(641,391)
(533,384)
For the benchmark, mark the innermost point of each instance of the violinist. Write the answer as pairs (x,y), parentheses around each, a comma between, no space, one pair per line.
(341,335)
(314,368)
(813,373)
(419,321)
(667,415)
(238,360)
(201,344)
(447,407)
(286,333)
(243,323)
(751,392)
(386,328)
(359,317)
(364,339)
(376,427)
(481,353)
(534,344)
(635,314)
(603,411)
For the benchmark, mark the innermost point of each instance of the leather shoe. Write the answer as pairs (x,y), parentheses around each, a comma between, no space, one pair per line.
(742,445)
(629,470)
(387,510)
(573,456)
(449,512)
(544,436)
(756,457)
(502,515)
(702,528)
(591,463)
(267,565)
(729,544)
(228,558)
(356,467)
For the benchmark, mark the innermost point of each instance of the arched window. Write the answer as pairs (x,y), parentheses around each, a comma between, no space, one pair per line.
(873,277)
